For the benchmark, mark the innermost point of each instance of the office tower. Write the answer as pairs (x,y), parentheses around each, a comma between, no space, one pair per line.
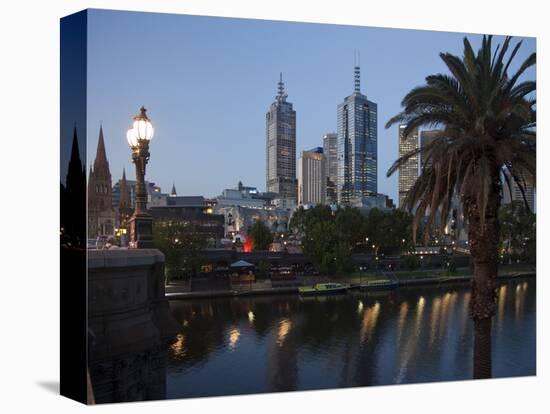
(312,177)
(514,193)
(281,146)
(330,151)
(529,192)
(426,138)
(357,145)
(408,171)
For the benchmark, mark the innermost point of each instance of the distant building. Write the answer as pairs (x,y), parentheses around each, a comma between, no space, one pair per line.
(239,219)
(357,145)
(284,203)
(330,150)
(408,171)
(515,194)
(194,211)
(154,193)
(101,214)
(243,196)
(281,146)
(367,203)
(124,208)
(426,138)
(455,228)
(246,189)
(235,198)
(312,177)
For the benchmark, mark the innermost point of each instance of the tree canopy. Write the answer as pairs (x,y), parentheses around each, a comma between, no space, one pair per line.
(261,235)
(330,237)
(181,246)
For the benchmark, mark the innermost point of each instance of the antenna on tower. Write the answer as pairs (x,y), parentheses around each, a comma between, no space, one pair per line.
(281,95)
(357,73)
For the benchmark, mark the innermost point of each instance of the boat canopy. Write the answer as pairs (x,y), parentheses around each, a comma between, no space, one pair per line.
(241,263)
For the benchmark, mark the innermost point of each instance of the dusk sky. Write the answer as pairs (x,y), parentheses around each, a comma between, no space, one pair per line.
(207,83)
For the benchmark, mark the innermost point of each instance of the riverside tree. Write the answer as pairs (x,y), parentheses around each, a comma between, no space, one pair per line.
(181,246)
(517,232)
(261,236)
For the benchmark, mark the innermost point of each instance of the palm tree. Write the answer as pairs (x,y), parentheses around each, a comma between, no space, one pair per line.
(487,122)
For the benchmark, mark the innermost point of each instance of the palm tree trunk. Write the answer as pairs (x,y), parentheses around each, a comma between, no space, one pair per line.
(484,250)
(482,348)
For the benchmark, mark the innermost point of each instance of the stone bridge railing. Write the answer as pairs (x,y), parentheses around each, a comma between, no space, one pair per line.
(129,320)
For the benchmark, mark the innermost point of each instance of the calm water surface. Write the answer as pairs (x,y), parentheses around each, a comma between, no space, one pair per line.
(283,343)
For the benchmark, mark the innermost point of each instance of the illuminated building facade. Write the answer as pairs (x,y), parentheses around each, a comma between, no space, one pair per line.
(357,145)
(408,171)
(281,146)
(426,138)
(330,150)
(312,177)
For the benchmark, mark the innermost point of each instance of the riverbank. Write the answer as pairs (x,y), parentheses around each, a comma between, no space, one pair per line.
(401,279)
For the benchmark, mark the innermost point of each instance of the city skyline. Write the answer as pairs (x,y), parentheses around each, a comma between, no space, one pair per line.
(201,96)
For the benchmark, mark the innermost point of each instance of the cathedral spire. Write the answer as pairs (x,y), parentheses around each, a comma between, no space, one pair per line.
(101,154)
(75,170)
(101,164)
(124,201)
(75,151)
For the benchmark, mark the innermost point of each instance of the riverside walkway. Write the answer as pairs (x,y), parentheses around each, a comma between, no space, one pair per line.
(180,290)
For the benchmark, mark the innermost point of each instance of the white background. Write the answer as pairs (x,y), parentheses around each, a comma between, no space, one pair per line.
(29,141)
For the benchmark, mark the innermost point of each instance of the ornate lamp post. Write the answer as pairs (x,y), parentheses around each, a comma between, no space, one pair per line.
(141,222)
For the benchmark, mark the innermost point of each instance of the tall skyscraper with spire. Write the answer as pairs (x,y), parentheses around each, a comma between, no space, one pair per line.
(357,145)
(101,215)
(281,146)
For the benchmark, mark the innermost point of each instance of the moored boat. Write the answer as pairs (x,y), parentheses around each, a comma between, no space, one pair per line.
(379,284)
(323,289)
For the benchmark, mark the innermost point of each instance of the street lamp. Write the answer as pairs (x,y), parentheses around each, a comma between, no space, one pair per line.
(141,222)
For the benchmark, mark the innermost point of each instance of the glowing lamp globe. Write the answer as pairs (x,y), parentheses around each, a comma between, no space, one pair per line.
(143,129)
(131,137)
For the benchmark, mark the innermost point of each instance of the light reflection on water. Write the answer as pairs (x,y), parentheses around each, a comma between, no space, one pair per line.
(278,343)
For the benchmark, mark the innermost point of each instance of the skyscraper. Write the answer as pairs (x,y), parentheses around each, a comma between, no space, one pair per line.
(408,171)
(101,214)
(514,193)
(426,138)
(330,151)
(312,177)
(281,146)
(357,145)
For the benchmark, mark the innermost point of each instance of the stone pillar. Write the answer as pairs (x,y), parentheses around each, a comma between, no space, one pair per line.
(129,320)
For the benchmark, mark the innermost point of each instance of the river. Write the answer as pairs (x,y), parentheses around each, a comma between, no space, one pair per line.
(283,343)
